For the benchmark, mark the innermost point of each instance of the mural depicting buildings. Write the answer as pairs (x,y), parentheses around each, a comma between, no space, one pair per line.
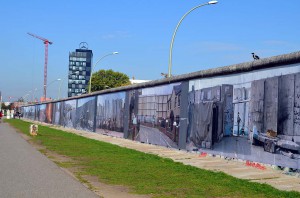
(110,114)
(56,113)
(253,118)
(248,111)
(69,114)
(153,115)
(42,113)
(85,113)
(29,112)
(37,112)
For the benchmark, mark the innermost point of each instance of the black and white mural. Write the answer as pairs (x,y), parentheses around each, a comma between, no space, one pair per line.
(154,115)
(110,114)
(56,113)
(68,116)
(251,116)
(85,113)
(29,112)
(42,113)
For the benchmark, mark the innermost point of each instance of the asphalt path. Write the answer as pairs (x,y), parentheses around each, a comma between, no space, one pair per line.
(154,136)
(25,172)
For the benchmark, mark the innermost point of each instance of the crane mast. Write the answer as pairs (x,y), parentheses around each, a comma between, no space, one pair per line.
(46,43)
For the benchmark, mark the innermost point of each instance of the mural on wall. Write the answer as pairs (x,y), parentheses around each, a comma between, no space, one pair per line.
(110,114)
(85,113)
(56,113)
(37,112)
(246,116)
(154,115)
(68,116)
(253,115)
(49,110)
(42,113)
(29,112)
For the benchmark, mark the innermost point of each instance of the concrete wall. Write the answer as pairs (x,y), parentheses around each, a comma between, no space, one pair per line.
(220,112)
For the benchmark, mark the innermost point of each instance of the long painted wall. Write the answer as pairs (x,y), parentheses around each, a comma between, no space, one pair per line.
(248,111)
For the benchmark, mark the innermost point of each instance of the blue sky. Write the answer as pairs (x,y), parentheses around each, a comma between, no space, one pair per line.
(141,31)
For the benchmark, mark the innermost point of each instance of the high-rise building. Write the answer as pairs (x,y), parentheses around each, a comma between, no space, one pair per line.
(80,63)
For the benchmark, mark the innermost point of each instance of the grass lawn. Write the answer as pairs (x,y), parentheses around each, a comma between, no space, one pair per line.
(145,173)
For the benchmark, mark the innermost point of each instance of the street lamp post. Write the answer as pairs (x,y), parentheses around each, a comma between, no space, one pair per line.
(174,34)
(46,86)
(33,94)
(90,82)
(59,90)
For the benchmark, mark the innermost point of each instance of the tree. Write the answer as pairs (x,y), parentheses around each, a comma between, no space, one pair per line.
(8,107)
(105,79)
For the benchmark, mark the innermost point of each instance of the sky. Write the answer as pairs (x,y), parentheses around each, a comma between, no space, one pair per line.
(140,30)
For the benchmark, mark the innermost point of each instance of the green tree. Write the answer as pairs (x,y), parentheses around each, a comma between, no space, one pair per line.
(105,79)
(6,107)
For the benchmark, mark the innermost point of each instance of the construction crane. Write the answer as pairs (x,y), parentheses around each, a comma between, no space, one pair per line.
(46,42)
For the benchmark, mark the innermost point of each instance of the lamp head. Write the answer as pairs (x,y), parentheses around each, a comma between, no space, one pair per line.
(212,2)
(115,52)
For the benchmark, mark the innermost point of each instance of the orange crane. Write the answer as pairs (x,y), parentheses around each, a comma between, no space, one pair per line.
(46,42)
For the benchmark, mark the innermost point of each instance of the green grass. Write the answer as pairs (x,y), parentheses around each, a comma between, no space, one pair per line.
(145,173)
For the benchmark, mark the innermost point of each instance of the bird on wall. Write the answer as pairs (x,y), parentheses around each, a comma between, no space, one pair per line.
(255,57)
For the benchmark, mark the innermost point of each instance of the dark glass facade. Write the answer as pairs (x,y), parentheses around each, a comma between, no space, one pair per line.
(80,63)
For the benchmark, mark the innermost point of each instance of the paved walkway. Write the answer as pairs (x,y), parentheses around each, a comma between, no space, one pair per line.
(25,172)
(154,136)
